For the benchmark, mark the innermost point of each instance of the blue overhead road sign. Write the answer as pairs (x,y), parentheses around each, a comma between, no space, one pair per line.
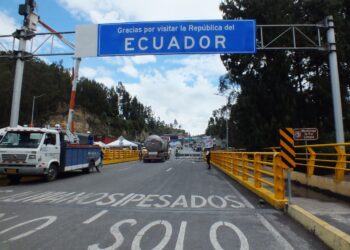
(171,37)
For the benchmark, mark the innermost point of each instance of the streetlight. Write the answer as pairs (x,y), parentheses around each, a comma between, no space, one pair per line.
(226,115)
(33,107)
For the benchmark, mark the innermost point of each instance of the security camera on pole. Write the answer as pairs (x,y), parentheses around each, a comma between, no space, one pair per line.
(23,34)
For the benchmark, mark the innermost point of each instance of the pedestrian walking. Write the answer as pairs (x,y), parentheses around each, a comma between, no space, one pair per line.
(101,161)
(207,155)
(140,154)
(90,139)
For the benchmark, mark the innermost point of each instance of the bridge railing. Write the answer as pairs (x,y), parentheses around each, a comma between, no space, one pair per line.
(328,160)
(325,166)
(117,156)
(324,159)
(261,172)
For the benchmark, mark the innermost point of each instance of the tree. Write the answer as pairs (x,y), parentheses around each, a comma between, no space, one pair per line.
(280,89)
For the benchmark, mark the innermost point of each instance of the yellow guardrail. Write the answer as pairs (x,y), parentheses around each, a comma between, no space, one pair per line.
(112,156)
(261,172)
(329,159)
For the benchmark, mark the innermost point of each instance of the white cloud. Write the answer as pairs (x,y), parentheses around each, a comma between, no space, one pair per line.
(107,81)
(170,97)
(102,11)
(100,74)
(8,24)
(181,89)
(143,59)
(87,72)
(129,68)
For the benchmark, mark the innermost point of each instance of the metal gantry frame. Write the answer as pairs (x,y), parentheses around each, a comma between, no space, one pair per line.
(286,37)
(291,32)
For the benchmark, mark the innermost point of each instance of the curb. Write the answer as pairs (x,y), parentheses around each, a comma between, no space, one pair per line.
(333,237)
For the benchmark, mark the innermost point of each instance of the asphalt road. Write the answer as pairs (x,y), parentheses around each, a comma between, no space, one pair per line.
(179,204)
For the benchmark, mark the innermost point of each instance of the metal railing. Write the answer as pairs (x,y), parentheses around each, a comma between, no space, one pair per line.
(324,159)
(329,160)
(112,156)
(261,172)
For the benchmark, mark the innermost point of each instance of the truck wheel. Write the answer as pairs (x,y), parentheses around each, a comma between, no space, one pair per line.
(51,173)
(14,179)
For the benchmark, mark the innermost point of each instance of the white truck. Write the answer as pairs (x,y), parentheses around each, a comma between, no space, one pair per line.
(47,152)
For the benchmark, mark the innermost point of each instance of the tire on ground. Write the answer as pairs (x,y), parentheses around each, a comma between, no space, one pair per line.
(51,173)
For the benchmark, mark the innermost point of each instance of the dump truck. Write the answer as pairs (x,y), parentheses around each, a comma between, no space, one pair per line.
(157,149)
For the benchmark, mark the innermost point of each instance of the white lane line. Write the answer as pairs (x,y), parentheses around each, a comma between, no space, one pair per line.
(95,217)
(245,201)
(169,169)
(9,218)
(6,191)
(124,169)
(284,243)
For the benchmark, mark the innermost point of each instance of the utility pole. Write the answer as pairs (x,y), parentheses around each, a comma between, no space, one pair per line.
(334,75)
(33,108)
(24,34)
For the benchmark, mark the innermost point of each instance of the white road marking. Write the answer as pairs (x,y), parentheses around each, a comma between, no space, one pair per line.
(245,201)
(169,169)
(181,237)
(341,219)
(9,218)
(214,238)
(95,217)
(284,243)
(122,169)
(6,191)
(50,220)
(136,244)
(119,238)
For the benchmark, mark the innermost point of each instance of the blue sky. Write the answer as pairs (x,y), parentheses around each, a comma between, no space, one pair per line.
(176,87)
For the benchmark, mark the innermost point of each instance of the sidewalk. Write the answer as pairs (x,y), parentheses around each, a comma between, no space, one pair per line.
(328,217)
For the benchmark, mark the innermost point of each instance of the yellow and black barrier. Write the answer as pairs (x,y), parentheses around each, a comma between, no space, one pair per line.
(287,147)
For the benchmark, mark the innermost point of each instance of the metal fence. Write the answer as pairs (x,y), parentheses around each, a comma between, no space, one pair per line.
(325,166)
(261,172)
(329,160)
(112,156)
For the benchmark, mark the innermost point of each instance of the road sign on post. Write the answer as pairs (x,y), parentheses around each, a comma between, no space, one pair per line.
(170,37)
(305,134)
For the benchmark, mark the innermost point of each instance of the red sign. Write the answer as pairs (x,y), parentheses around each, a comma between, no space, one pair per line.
(305,134)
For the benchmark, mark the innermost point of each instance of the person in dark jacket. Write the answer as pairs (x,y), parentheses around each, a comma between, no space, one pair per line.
(101,163)
(207,155)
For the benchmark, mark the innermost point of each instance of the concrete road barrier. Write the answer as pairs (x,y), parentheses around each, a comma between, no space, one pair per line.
(333,237)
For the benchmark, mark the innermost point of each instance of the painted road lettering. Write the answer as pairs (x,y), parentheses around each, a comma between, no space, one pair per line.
(132,199)
(136,243)
(48,221)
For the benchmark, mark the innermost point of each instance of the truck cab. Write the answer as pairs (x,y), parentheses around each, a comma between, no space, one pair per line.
(41,151)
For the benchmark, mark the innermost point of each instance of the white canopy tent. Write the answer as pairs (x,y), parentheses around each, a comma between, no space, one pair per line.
(101,144)
(121,142)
